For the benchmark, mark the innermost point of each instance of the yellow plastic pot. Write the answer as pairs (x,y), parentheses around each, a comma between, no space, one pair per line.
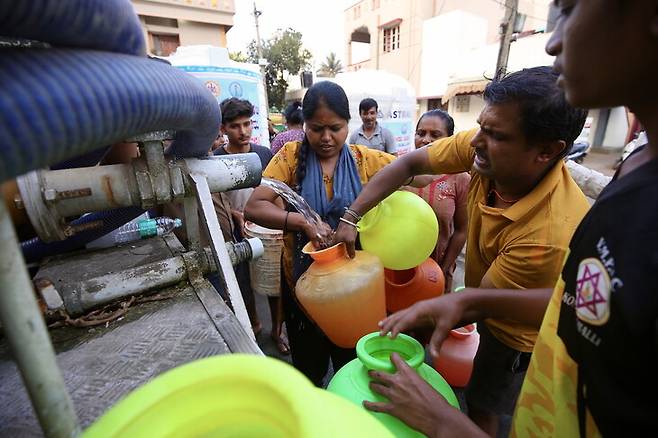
(402,231)
(234,396)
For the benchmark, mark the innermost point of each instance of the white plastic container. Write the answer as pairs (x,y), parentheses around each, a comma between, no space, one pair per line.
(394,95)
(226,78)
(266,271)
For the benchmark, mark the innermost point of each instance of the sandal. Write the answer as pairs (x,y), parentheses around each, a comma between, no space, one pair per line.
(281,344)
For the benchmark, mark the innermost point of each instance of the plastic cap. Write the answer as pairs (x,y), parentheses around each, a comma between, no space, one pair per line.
(178,223)
(257,249)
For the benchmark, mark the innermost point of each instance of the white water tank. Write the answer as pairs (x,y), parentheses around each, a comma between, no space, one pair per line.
(395,97)
(226,78)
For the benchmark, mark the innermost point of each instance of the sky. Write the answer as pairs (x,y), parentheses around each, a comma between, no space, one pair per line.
(320,22)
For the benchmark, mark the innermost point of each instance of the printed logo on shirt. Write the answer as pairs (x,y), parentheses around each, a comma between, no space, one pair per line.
(592,292)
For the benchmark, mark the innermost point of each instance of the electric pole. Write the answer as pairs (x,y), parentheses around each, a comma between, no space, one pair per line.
(259,52)
(506,32)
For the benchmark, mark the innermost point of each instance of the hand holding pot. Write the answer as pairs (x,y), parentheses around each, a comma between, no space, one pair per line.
(442,314)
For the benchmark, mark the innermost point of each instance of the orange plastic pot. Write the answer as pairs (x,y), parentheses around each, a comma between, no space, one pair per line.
(404,288)
(455,361)
(345,297)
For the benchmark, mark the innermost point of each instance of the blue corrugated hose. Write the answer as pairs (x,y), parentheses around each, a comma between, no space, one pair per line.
(35,249)
(108,25)
(59,103)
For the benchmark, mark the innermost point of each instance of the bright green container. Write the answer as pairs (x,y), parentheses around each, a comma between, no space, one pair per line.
(401,230)
(373,353)
(234,396)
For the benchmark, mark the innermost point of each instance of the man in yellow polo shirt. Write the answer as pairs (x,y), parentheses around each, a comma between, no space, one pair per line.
(593,368)
(523,208)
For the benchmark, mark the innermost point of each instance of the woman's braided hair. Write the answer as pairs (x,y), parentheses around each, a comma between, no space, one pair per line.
(300,172)
(333,97)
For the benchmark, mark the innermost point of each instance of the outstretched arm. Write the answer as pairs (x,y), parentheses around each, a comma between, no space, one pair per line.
(385,182)
(454,310)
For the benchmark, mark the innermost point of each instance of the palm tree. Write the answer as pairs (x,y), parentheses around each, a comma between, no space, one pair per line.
(331,66)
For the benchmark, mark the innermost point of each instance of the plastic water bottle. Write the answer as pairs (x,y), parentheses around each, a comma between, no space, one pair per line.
(146,228)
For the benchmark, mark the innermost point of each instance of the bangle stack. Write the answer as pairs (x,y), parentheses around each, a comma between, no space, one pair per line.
(353,213)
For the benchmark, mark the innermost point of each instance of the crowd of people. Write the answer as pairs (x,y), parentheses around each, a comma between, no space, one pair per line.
(563,292)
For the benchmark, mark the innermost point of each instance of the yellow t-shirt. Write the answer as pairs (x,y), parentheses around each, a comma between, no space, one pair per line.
(520,247)
(547,403)
(283,167)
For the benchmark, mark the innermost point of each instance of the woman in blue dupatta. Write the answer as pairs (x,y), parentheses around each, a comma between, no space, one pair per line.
(329,175)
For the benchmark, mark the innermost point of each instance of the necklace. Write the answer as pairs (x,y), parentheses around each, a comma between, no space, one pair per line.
(506,201)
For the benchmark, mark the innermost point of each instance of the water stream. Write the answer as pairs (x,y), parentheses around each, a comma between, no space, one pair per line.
(294,199)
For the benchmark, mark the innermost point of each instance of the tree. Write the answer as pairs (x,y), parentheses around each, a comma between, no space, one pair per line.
(285,55)
(238,56)
(331,66)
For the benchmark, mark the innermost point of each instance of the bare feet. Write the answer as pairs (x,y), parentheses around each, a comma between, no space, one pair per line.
(257,328)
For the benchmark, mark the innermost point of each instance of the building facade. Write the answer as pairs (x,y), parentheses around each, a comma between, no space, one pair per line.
(389,34)
(447,50)
(168,24)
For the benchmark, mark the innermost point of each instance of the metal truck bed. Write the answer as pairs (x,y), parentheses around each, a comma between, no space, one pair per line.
(102,364)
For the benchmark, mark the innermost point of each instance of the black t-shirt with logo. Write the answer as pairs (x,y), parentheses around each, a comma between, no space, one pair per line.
(609,313)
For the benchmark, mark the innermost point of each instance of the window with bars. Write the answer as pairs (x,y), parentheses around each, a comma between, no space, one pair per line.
(357,11)
(375,4)
(391,38)
(433,104)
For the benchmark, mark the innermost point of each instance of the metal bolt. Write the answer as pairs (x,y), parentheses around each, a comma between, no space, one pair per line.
(71,229)
(49,294)
(50,194)
(18,202)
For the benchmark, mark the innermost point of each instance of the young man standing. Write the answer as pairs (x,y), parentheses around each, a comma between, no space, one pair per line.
(593,369)
(371,133)
(523,208)
(237,126)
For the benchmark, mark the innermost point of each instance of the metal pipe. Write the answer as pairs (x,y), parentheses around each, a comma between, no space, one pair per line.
(227,172)
(88,294)
(50,196)
(29,340)
(154,153)
(82,296)
(87,189)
